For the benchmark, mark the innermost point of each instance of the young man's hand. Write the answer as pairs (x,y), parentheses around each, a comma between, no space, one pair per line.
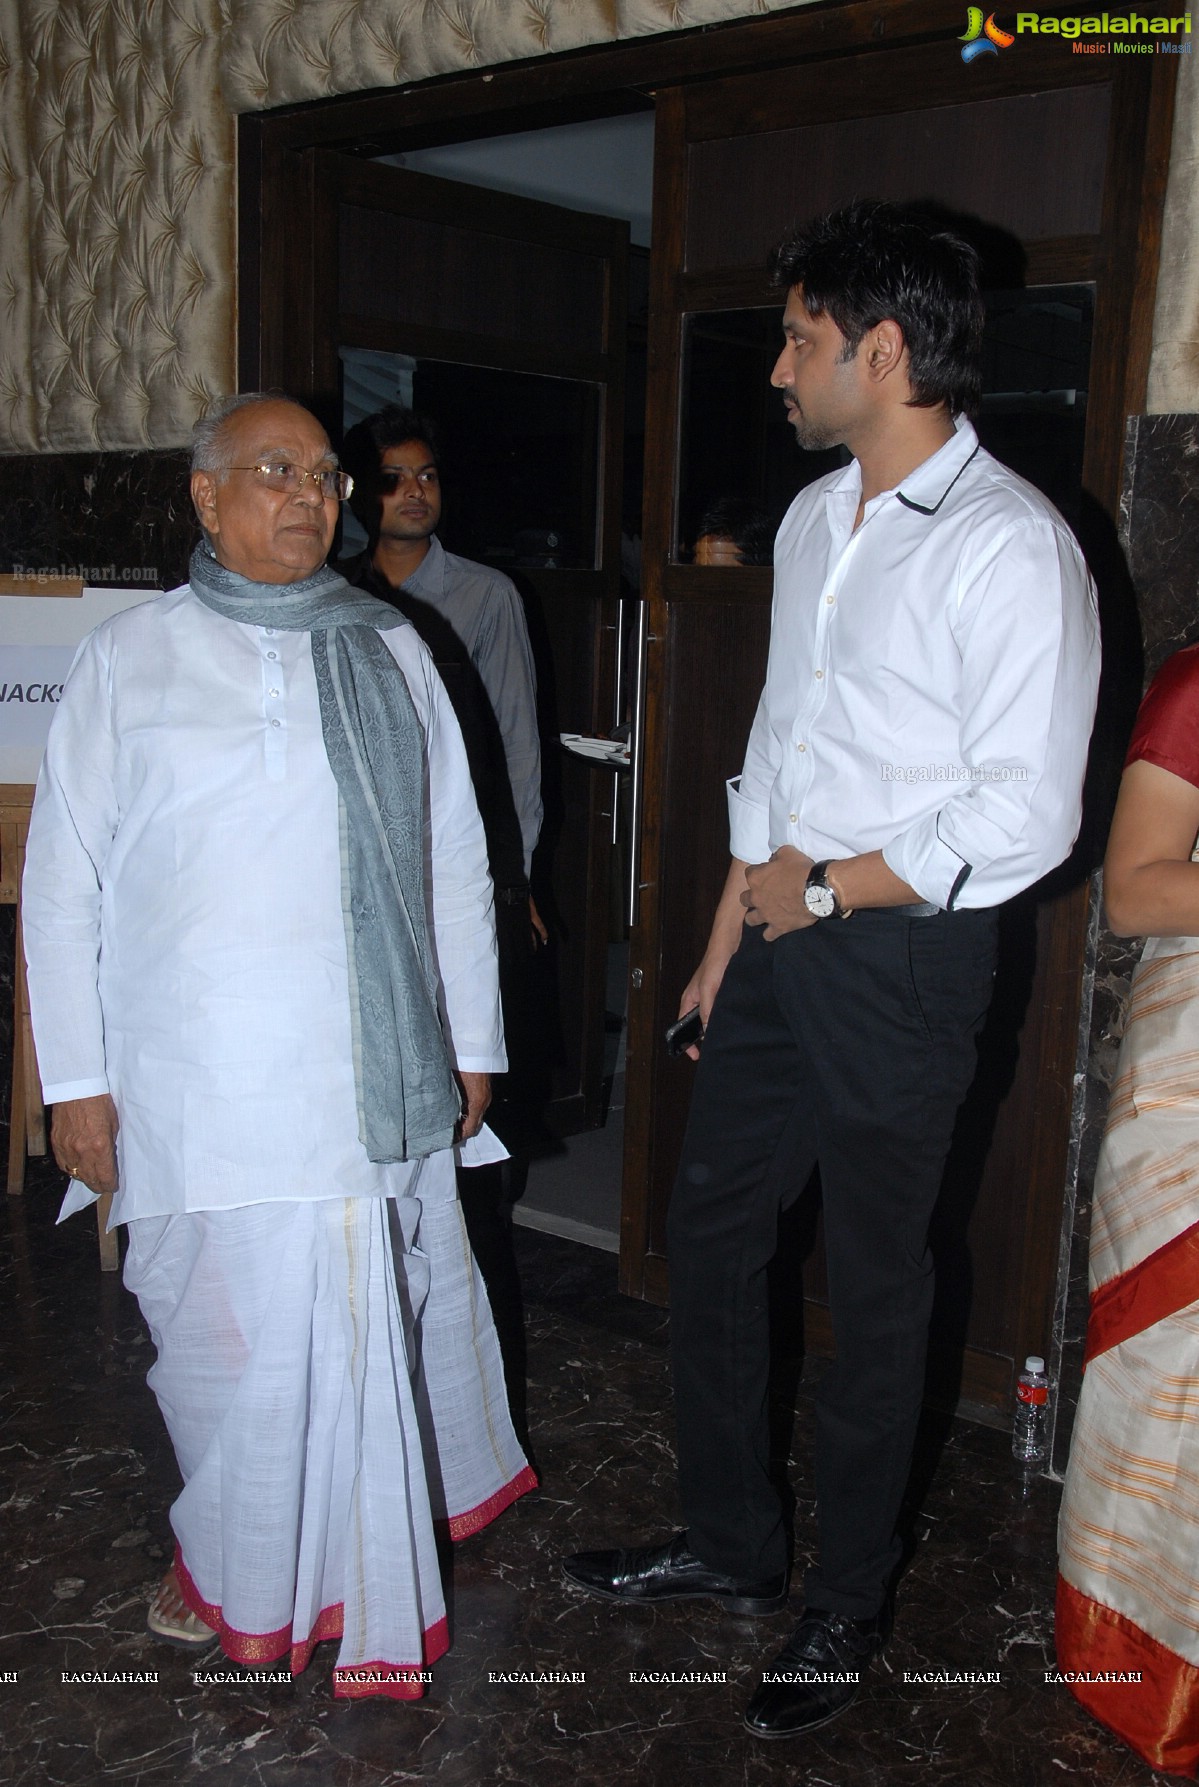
(774,893)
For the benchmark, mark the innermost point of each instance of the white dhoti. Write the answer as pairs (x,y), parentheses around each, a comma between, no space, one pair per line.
(331,1381)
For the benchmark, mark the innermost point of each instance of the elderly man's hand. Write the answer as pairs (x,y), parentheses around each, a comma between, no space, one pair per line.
(83,1134)
(476,1089)
(774,893)
(540,934)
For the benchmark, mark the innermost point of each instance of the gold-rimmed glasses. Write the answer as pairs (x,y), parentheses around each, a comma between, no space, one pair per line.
(281,474)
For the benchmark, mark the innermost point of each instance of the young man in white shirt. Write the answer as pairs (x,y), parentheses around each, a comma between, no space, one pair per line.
(916,759)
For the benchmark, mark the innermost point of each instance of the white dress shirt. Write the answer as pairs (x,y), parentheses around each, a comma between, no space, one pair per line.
(183,910)
(931,683)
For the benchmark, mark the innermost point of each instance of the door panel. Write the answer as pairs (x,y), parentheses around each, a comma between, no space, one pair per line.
(424,272)
(961,154)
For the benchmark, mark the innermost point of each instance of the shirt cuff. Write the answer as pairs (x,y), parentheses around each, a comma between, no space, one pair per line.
(68,1089)
(492,1063)
(928,865)
(749,826)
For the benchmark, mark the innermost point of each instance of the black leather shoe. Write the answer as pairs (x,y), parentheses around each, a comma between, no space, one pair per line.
(669,1572)
(817,1674)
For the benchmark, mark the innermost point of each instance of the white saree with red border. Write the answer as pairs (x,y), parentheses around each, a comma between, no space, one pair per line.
(1128,1538)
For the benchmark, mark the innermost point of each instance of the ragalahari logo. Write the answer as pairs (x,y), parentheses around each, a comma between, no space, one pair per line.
(983,37)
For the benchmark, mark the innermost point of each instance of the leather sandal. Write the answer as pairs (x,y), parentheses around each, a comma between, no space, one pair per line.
(184,1629)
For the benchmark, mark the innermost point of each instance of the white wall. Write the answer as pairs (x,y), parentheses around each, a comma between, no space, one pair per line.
(604,166)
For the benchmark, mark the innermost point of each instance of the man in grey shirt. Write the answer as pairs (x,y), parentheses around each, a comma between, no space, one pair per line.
(466,613)
(473,623)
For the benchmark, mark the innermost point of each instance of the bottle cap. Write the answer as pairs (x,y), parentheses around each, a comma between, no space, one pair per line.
(1034,1363)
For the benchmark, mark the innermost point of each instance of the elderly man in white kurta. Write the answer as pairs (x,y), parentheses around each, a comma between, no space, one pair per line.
(262,968)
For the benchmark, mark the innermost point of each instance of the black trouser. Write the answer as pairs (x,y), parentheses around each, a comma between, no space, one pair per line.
(848,1044)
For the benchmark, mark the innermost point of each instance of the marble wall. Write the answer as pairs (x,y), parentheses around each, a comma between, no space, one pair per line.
(1151,609)
(120,519)
(1159,525)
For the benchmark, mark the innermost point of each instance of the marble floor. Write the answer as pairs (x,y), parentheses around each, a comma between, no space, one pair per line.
(86,1476)
(574,1191)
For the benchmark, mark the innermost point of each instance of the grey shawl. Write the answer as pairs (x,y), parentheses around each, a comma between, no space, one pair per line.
(408,1103)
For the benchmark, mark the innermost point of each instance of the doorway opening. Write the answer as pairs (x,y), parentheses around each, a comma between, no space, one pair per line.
(523,497)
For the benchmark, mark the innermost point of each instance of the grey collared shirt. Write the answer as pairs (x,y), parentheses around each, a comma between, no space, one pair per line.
(484,610)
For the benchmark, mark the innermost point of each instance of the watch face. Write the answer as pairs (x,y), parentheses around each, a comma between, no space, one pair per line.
(821,902)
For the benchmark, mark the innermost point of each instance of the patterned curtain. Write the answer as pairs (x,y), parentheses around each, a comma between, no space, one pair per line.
(116,221)
(117,246)
(1174,368)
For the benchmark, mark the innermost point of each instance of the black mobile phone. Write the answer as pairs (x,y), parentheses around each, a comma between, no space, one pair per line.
(683,1032)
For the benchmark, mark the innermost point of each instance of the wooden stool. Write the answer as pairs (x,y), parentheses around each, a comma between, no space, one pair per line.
(27,1113)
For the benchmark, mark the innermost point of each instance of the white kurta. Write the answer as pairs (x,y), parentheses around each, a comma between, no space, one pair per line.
(183,916)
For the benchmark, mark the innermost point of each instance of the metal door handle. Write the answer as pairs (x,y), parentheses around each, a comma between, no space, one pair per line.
(618,713)
(636,742)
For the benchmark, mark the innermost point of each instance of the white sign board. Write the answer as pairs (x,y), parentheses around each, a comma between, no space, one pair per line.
(39,636)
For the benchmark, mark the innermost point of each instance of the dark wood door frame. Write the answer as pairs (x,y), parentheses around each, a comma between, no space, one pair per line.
(276,259)
(274,192)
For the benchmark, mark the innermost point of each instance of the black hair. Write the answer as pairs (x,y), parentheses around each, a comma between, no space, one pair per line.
(871,261)
(368,440)
(363,448)
(749,527)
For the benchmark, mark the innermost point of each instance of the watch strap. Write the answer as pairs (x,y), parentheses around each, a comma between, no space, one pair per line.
(818,877)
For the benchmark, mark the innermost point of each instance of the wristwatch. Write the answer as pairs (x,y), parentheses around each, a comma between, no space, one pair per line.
(819,897)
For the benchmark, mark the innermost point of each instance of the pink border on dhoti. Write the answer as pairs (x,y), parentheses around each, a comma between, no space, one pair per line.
(461,1526)
(254,1649)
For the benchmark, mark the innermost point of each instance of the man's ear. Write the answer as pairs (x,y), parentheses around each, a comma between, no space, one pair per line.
(203,489)
(884,349)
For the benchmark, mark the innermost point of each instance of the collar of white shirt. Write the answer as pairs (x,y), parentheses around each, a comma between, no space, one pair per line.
(924,489)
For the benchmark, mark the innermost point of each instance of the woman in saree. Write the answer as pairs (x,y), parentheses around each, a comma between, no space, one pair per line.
(1128,1538)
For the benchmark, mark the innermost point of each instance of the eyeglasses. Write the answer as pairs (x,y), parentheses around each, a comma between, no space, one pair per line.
(281,474)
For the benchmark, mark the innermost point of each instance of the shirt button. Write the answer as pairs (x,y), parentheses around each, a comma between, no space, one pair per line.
(820,676)
(830,600)
(276,722)
(801,747)
(794,818)
(274,691)
(272,656)
(269,631)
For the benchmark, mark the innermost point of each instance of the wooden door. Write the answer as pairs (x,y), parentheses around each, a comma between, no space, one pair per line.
(737,160)
(509,315)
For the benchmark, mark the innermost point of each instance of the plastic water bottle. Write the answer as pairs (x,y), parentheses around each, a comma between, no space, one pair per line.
(1032,1412)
